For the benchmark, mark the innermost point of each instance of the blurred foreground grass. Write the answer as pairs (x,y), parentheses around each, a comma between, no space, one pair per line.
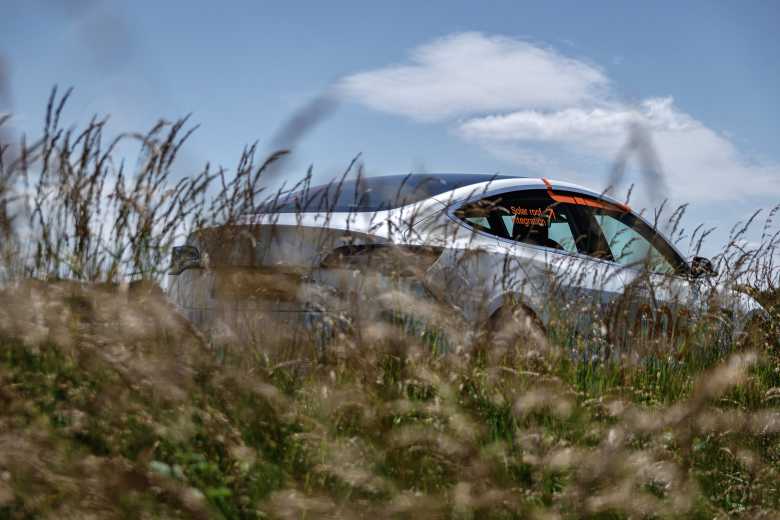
(112,406)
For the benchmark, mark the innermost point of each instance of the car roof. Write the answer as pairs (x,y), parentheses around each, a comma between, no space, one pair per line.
(456,180)
(382,192)
(501,184)
(375,193)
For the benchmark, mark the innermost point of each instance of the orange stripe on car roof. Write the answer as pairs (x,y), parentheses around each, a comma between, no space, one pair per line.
(583,200)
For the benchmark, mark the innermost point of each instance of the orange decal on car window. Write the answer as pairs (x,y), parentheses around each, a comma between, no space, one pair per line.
(583,200)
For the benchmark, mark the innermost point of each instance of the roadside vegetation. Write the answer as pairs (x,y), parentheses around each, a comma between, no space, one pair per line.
(112,405)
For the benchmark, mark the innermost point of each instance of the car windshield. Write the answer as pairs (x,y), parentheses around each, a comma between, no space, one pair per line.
(368,194)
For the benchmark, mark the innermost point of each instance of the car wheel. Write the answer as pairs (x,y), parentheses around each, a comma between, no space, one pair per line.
(515,327)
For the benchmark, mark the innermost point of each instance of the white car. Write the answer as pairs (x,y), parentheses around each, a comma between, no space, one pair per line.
(482,244)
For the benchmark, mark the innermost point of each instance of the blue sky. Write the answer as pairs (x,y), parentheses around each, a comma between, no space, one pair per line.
(543,88)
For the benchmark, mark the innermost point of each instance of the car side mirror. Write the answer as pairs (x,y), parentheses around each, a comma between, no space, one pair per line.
(702,267)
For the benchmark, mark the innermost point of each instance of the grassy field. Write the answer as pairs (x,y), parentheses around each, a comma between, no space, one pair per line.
(113,406)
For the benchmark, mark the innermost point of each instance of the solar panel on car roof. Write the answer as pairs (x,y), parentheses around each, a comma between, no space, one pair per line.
(374,193)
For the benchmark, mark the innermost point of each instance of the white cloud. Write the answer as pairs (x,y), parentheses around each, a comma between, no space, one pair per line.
(470,73)
(698,162)
(519,98)
(606,125)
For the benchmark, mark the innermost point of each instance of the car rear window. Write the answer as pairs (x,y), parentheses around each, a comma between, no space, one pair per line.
(368,194)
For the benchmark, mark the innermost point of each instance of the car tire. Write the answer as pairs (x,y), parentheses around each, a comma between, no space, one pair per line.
(515,327)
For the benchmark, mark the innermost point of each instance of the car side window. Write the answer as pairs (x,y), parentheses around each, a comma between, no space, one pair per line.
(527,216)
(574,223)
(560,231)
(633,243)
(484,215)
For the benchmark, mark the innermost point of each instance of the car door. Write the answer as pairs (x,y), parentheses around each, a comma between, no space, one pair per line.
(464,276)
(655,305)
(541,255)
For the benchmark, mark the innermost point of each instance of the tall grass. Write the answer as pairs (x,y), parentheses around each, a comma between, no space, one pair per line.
(113,405)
